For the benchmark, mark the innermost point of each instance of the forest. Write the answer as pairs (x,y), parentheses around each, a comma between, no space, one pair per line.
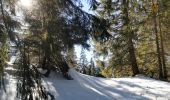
(39,41)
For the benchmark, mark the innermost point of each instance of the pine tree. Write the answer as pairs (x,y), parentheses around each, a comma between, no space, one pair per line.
(59,26)
(7,27)
(123,30)
(83,61)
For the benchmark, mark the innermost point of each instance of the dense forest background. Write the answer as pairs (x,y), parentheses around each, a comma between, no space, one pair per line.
(135,39)
(128,37)
(139,41)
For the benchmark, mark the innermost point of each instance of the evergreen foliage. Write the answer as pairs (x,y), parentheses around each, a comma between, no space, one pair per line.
(132,46)
(129,37)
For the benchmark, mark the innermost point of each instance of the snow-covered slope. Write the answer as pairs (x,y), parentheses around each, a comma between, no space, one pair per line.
(85,87)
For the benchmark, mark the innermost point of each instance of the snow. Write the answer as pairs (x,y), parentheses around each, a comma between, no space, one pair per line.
(12,60)
(10,87)
(85,87)
(9,93)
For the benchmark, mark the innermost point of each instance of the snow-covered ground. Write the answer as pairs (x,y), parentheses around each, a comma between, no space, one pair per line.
(85,87)
(10,87)
(9,92)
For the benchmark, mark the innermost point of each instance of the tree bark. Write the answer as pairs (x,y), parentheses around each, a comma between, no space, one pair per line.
(132,57)
(157,42)
(162,51)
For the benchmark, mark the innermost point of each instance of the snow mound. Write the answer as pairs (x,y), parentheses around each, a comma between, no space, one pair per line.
(85,87)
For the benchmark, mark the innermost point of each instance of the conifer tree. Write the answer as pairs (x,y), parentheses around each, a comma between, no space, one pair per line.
(7,27)
(83,61)
(122,28)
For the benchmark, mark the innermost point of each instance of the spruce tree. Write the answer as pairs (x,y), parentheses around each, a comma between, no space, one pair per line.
(123,30)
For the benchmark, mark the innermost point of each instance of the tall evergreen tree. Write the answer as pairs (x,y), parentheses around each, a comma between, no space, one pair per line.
(154,10)
(8,25)
(83,61)
(123,29)
(59,25)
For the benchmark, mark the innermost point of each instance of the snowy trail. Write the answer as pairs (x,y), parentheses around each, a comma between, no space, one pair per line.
(85,87)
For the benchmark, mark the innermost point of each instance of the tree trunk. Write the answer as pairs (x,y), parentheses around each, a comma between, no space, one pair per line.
(132,57)
(162,51)
(157,41)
